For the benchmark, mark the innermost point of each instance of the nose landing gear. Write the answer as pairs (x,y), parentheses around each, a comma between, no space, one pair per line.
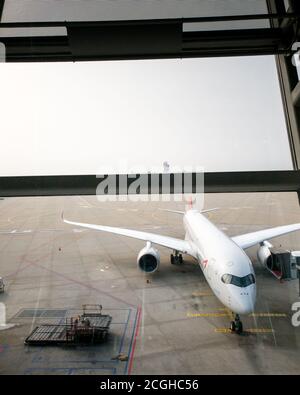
(236,326)
(176,259)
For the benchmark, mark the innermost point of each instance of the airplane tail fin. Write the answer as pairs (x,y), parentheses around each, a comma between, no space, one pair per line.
(190,204)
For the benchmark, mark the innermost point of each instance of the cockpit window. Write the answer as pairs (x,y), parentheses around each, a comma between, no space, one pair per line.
(241,282)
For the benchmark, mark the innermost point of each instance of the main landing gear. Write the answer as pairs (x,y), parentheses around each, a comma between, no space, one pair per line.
(236,326)
(176,259)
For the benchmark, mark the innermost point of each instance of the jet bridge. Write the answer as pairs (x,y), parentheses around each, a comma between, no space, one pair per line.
(296,260)
(282,264)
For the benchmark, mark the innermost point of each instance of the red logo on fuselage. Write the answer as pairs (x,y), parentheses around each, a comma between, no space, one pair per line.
(205,263)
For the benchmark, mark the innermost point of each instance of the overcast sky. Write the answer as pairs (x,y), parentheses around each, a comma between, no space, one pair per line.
(76,118)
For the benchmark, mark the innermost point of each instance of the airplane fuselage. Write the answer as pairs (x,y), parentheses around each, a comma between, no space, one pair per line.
(226,267)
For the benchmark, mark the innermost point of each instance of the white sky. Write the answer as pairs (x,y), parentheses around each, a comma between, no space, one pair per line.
(76,118)
(87,118)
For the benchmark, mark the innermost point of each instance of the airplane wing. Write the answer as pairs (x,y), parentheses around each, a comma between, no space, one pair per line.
(179,245)
(250,239)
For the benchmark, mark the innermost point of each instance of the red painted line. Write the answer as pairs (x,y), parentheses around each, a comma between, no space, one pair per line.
(81,283)
(20,269)
(137,329)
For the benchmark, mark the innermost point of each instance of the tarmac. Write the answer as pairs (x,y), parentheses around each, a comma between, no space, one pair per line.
(166,323)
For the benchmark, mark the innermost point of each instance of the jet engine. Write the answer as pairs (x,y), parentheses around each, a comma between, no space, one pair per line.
(264,255)
(148,259)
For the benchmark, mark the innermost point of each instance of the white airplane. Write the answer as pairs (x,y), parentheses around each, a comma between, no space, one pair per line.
(226,267)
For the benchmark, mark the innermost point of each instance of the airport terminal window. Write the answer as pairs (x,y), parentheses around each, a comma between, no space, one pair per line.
(212,135)
(241,282)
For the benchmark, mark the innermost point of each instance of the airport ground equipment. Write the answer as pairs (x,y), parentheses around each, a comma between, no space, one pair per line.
(91,327)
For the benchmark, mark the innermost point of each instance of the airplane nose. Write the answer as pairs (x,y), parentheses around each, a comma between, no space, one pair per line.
(243,308)
(243,302)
